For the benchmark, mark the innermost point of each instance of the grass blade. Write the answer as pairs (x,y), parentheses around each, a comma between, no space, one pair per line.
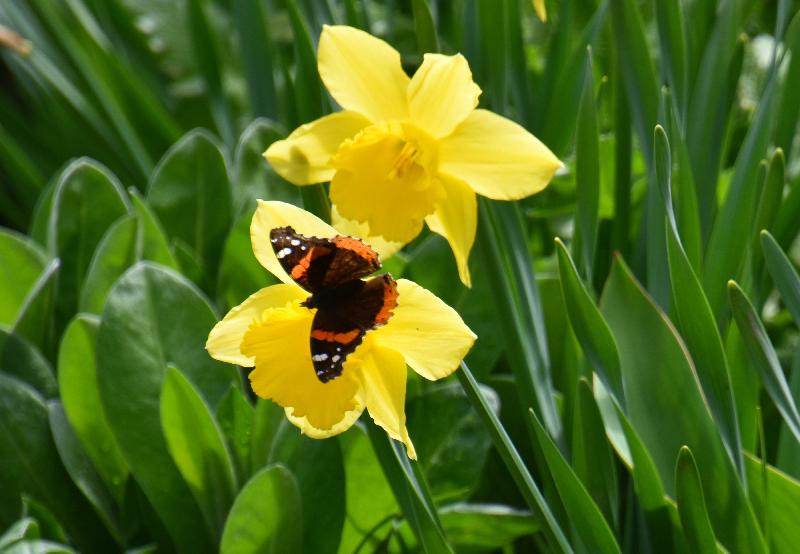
(692,505)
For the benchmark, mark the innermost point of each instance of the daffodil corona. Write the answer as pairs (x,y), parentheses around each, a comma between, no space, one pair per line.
(271,329)
(408,151)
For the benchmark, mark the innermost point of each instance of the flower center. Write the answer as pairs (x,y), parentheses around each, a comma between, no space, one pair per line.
(386,177)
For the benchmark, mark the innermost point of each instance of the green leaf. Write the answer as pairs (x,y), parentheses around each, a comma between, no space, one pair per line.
(585,516)
(587,176)
(151,240)
(235,418)
(695,319)
(258,56)
(267,419)
(115,253)
(31,465)
(367,514)
(672,42)
(240,273)
(153,317)
(783,273)
(190,193)
(35,317)
(23,262)
(25,528)
(21,359)
(450,440)
(77,378)
(80,469)
(253,177)
(588,324)
(692,505)
(592,459)
(485,526)
(527,487)
(645,338)
(319,470)
(87,200)
(39,547)
(763,357)
(779,501)
(198,448)
(427,39)
(266,516)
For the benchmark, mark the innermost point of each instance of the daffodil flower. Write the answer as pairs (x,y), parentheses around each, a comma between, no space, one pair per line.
(270,330)
(407,151)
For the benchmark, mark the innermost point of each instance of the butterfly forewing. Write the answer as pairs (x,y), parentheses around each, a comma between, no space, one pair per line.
(305,259)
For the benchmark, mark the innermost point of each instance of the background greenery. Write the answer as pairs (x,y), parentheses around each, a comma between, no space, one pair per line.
(633,399)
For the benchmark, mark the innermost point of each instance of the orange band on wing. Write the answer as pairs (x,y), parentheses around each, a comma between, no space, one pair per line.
(389,304)
(356,246)
(331,336)
(299,270)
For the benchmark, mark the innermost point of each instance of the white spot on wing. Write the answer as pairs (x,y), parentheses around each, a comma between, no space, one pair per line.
(336,358)
(295,242)
(283,252)
(319,357)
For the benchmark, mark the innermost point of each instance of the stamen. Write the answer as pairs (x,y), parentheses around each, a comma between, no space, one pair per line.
(404,160)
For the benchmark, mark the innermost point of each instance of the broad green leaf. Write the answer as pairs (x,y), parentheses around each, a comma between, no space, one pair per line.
(592,459)
(695,320)
(513,461)
(666,407)
(151,240)
(489,526)
(190,193)
(21,359)
(763,357)
(39,547)
(115,253)
(588,324)
(35,317)
(266,516)
(198,448)
(80,469)
(235,418)
(253,177)
(367,514)
(267,419)
(153,317)
(87,200)
(788,455)
(779,503)
(77,378)
(240,274)
(692,505)
(23,262)
(25,528)
(29,464)
(319,470)
(585,516)
(450,439)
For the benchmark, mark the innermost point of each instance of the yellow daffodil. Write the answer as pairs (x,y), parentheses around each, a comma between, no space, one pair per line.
(270,330)
(541,10)
(408,150)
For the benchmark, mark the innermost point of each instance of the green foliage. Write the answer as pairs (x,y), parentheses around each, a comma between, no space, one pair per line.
(638,320)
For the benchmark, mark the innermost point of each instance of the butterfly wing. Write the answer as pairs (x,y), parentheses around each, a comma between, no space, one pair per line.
(305,259)
(337,330)
(352,259)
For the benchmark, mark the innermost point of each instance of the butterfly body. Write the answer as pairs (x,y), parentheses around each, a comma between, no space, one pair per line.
(347,306)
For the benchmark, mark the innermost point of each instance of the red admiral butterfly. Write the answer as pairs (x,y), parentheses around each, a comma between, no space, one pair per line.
(347,306)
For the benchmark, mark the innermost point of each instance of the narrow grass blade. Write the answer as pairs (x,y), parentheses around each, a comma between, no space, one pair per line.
(427,39)
(513,461)
(672,41)
(586,517)
(692,505)
(783,273)
(695,319)
(763,357)
(258,56)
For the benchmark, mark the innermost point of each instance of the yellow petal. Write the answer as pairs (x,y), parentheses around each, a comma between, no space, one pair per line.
(442,94)
(362,73)
(226,337)
(429,334)
(383,375)
(496,157)
(383,247)
(279,342)
(383,178)
(541,11)
(302,158)
(456,219)
(270,215)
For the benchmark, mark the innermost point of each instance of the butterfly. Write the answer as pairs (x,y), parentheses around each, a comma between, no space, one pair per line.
(348,306)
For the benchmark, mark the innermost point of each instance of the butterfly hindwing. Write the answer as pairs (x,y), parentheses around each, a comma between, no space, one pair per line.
(352,259)
(339,328)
